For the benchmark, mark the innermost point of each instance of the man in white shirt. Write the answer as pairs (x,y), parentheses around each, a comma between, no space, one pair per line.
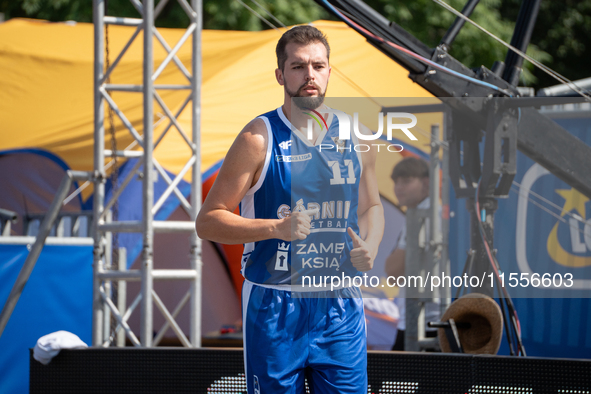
(411,186)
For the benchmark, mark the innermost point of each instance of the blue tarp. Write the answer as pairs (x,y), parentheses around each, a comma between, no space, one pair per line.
(58,296)
(533,234)
(130,208)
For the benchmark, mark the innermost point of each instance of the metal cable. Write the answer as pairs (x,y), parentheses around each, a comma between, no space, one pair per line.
(514,318)
(576,217)
(583,92)
(554,214)
(258,15)
(269,13)
(367,34)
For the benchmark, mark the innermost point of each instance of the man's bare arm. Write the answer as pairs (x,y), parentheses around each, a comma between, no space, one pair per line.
(370,212)
(240,171)
(395,263)
(370,205)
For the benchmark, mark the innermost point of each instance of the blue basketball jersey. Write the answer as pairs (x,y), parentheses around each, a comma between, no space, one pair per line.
(297,176)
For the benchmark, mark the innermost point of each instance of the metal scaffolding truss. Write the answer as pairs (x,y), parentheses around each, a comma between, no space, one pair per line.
(106,305)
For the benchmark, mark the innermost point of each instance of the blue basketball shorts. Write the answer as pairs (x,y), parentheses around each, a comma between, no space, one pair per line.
(289,337)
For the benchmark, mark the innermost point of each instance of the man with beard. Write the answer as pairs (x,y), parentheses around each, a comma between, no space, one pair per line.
(302,194)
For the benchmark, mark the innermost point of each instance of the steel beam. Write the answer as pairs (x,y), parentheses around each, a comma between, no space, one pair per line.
(144,139)
(99,173)
(560,152)
(196,195)
(454,30)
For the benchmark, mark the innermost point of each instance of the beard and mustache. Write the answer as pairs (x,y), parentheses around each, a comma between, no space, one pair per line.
(307,102)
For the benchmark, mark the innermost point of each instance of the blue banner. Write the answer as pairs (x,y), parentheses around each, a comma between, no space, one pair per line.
(58,296)
(542,232)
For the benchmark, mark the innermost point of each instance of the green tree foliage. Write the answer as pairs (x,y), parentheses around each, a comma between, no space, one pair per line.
(52,10)
(563,30)
(217,14)
(561,39)
(429,22)
(232,15)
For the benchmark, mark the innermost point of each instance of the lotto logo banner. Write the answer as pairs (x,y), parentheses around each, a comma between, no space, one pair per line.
(552,236)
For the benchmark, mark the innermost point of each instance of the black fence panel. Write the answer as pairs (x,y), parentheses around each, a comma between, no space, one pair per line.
(217,371)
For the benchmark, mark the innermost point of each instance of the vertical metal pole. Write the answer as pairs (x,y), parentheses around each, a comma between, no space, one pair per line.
(146,331)
(526,20)
(196,197)
(434,183)
(27,268)
(454,30)
(445,299)
(419,261)
(435,230)
(107,265)
(414,266)
(122,294)
(99,187)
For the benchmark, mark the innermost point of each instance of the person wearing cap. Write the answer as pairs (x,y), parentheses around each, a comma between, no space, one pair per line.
(411,186)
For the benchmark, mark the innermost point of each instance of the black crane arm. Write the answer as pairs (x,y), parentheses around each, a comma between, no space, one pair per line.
(538,137)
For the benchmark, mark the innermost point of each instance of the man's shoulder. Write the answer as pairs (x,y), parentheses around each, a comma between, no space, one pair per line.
(271,115)
(254,136)
(254,127)
(260,123)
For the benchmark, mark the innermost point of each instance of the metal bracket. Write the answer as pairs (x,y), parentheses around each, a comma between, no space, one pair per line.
(500,152)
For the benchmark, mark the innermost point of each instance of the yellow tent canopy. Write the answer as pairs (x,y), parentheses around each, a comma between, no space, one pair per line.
(46,105)
(46,86)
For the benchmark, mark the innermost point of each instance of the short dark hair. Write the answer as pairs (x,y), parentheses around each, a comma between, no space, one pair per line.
(304,35)
(411,167)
